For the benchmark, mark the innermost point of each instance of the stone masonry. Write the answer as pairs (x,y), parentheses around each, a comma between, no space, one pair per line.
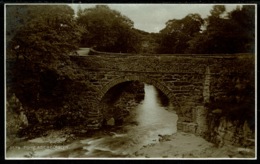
(184,79)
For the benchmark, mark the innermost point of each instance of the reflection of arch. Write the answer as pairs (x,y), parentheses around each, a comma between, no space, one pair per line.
(144,79)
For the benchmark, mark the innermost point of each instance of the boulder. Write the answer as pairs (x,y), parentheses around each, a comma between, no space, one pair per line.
(217,111)
(111,122)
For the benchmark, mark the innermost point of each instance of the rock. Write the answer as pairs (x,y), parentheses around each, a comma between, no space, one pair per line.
(217,111)
(111,122)
(249,142)
(83,131)
(24,119)
(164,138)
(111,133)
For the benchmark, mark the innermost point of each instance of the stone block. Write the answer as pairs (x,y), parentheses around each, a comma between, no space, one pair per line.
(111,122)
(201,119)
(187,127)
(181,83)
(228,136)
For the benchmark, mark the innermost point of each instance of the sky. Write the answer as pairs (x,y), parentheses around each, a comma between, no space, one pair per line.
(152,17)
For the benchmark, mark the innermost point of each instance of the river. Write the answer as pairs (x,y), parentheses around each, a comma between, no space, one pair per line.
(146,123)
(152,120)
(149,132)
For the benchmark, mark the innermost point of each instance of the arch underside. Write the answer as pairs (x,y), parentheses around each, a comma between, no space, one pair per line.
(182,125)
(165,90)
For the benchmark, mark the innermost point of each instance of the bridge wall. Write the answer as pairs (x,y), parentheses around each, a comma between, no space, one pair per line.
(188,81)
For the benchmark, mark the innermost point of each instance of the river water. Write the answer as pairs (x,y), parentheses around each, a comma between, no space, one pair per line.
(139,137)
(152,120)
(146,123)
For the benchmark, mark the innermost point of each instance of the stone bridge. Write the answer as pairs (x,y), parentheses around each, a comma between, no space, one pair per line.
(189,81)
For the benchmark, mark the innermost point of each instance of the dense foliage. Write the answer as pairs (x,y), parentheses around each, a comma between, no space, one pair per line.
(237,100)
(220,32)
(107,30)
(47,30)
(43,34)
(177,33)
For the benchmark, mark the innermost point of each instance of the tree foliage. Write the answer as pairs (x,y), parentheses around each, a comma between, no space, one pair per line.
(243,20)
(238,102)
(42,33)
(220,32)
(177,33)
(107,30)
(226,34)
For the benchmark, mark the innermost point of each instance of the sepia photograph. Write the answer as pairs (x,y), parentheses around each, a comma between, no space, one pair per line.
(130,81)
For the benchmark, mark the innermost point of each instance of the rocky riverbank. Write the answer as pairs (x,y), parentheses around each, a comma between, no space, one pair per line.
(63,144)
(184,145)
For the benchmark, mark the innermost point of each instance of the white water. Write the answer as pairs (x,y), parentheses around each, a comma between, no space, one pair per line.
(152,119)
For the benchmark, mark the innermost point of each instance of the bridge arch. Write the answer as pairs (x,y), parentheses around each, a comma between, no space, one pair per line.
(157,84)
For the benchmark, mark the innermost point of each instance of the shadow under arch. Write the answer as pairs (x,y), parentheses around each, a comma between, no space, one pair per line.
(143,79)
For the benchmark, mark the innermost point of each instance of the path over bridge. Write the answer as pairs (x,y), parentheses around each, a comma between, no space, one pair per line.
(189,81)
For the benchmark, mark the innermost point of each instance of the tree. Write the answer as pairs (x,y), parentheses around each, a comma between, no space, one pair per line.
(44,34)
(217,11)
(177,33)
(244,32)
(213,39)
(107,30)
(231,32)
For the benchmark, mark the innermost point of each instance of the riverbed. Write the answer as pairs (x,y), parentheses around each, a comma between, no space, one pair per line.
(149,132)
(114,146)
